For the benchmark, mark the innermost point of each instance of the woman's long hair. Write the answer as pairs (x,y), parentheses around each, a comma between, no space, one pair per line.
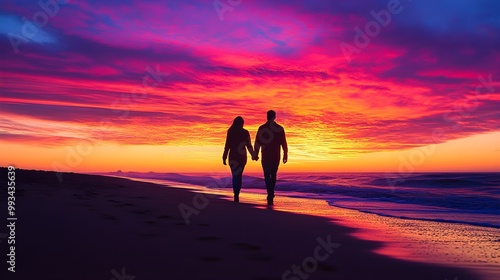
(237,124)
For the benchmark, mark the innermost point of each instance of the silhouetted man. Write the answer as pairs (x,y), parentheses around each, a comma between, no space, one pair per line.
(271,137)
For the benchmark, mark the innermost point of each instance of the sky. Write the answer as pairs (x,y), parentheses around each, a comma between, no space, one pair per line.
(376,85)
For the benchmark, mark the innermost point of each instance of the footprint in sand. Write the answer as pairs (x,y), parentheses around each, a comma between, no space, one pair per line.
(84,205)
(260,257)
(254,256)
(149,234)
(128,204)
(116,203)
(207,238)
(91,194)
(109,217)
(78,196)
(210,259)
(164,217)
(245,246)
(203,225)
(325,267)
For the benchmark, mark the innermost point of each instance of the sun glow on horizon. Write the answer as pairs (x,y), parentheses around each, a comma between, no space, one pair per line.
(479,153)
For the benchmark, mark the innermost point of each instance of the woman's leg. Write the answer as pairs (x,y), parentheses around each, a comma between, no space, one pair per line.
(237,172)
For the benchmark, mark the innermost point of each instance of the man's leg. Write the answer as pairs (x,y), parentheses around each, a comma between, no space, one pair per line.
(266,173)
(267,176)
(273,170)
(270,169)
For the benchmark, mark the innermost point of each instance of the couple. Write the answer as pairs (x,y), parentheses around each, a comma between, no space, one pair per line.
(270,137)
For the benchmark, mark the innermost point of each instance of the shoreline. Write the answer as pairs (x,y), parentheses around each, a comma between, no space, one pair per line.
(425,241)
(289,184)
(89,226)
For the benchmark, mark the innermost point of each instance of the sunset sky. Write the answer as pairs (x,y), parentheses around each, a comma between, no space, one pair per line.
(378,85)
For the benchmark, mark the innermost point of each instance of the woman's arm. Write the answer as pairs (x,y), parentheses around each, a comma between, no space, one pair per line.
(226,150)
(249,146)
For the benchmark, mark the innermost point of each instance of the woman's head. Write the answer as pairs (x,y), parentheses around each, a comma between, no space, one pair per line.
(238,122)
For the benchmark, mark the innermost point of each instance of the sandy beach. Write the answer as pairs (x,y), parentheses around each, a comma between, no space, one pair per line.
(96,227)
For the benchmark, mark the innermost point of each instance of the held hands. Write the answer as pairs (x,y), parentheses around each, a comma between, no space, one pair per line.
(224,161)
(255,156)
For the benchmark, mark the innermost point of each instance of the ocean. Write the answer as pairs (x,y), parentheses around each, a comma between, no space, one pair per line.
(466,198)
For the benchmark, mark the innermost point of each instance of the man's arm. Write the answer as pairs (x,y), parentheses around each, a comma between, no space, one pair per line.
(256,146)
(285,148)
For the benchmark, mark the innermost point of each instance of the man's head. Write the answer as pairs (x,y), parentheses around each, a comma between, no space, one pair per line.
(271,115)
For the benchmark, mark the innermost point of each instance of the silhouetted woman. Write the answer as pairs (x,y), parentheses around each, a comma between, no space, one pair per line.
(237,142)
